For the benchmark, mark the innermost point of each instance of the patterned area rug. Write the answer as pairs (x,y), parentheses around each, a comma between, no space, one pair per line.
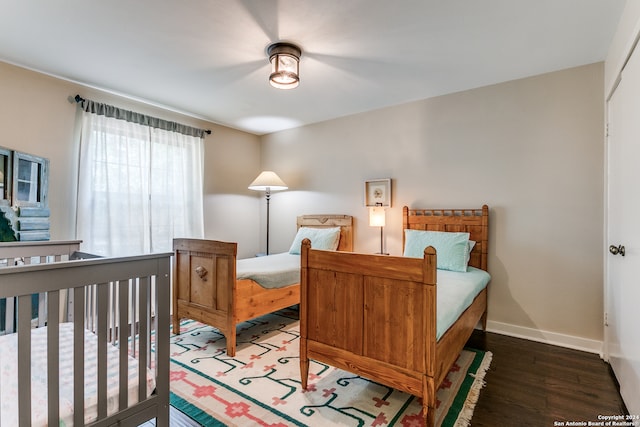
(260,386)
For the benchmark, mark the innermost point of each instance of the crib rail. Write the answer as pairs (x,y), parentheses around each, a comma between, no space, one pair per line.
(26,253)
(142,289)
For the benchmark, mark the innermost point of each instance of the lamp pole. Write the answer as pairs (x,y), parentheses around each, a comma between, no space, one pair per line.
(268,196)
(267,181)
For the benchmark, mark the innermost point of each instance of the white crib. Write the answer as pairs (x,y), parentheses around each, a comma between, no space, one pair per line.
(88,309)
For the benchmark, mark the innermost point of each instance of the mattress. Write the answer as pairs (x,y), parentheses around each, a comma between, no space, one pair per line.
(455,292)
(271,271)
(9,377)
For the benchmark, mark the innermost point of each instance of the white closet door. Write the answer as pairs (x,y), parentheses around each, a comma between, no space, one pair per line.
(623,232)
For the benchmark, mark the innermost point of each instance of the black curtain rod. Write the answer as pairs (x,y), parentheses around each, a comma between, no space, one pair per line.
(80,99)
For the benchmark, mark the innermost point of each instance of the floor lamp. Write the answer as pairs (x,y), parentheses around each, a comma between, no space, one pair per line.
(268,181)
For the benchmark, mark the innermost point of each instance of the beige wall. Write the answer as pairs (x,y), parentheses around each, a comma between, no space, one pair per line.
(37,117)
(531,149)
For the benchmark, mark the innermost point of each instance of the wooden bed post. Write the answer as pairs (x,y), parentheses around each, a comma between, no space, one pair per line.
(485,254)
(405,223)
(429,278)
(304,359)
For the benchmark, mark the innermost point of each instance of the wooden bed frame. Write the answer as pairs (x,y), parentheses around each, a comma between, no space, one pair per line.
(375,315)
(205,286)
(142,286)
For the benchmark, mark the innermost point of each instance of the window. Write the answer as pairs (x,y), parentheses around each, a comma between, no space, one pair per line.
(138,187)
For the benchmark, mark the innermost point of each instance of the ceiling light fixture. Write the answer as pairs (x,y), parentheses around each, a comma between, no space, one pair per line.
(285,65)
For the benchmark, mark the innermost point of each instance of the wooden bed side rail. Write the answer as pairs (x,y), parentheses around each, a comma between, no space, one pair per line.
(369,306)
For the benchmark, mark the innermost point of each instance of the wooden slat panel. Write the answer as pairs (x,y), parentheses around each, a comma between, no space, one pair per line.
(223,271)
(182,270)
(388,326)
(202,290)
(335,312)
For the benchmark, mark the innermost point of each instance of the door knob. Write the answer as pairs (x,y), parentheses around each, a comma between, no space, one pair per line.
(615,250)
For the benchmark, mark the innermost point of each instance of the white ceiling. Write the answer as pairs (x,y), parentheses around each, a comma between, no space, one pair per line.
(207,58)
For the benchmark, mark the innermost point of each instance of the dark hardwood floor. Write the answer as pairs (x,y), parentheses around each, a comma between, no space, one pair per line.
(535,384)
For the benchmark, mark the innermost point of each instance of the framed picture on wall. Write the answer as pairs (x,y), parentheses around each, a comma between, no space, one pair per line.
(377,192)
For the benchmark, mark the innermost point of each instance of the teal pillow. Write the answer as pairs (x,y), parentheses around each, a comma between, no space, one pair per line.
(452,248)
(321,238)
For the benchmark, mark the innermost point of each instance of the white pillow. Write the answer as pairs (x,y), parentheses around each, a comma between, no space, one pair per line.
(472,243)
(321,238)
(452,248)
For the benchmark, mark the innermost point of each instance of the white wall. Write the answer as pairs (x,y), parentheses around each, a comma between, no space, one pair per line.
(626,35)
(532,149)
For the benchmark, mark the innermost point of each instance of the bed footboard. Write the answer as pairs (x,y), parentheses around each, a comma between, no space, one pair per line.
(204,285)
(373,315)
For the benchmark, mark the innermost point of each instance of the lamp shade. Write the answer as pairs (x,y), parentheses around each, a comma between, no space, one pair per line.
(268,181)
(376,217)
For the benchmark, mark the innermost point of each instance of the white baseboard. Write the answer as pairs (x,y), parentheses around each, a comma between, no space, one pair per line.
(553,338)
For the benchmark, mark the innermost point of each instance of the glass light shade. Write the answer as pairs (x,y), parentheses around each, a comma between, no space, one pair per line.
(268,181)
(285,65)
(377,217)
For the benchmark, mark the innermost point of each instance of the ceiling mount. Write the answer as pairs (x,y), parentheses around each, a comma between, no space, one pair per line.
(285,65)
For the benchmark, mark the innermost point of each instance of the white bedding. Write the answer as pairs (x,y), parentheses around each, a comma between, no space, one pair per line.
(271,271)
(455,292)
(9,385)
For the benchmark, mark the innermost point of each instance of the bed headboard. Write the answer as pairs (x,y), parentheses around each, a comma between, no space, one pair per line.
(345,222)
(472,221)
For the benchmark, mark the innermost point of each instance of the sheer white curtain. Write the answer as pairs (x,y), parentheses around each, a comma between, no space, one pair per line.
(138,187)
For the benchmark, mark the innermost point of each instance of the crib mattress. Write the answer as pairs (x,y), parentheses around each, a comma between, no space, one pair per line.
(9,377)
